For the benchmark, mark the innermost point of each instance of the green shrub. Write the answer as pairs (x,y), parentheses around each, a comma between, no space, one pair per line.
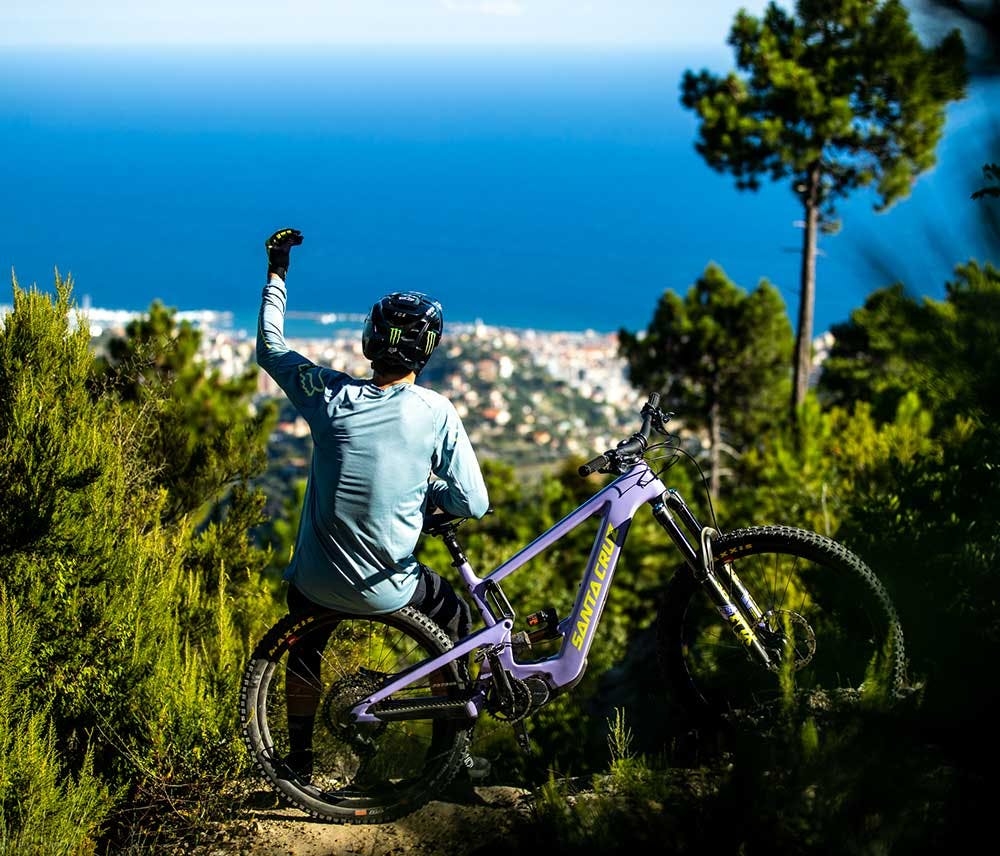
(143,588)
(43,808)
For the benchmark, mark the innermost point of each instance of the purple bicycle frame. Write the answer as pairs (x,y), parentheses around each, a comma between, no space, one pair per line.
(616,505)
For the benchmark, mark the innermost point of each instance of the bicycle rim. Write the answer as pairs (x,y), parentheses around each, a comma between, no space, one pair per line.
(359,773)
(827,619)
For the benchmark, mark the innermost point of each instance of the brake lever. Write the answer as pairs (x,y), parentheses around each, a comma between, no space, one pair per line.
(660,420)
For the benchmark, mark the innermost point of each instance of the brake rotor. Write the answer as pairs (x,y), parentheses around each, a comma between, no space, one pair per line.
(786,630)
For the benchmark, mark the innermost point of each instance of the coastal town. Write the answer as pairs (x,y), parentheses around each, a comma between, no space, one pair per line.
(530,398)
(527,397)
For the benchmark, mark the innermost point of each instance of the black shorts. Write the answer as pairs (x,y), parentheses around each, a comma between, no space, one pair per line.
(434,596)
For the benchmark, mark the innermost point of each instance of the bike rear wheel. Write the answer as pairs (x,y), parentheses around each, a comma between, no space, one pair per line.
(359,773)
(828,622)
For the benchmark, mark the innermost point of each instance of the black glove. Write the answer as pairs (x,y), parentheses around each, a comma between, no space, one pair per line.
(278,247)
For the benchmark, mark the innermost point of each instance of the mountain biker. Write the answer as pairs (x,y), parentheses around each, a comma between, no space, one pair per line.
(384,451)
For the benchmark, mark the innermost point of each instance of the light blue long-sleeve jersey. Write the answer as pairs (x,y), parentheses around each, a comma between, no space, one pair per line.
(374,451)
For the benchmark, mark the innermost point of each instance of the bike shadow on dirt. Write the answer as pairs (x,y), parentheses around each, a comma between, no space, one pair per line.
(262,804)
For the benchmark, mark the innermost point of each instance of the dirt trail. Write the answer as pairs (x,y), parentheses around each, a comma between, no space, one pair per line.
(265,827)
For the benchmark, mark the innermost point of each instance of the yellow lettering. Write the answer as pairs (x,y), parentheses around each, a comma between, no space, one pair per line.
(584,623)
(594,591)
(607,548)
(742,631)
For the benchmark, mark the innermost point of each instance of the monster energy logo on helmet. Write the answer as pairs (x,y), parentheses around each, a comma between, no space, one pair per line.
(402,330)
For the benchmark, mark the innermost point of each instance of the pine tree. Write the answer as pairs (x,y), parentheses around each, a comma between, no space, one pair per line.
(200,427)
(719,357)
(838,96)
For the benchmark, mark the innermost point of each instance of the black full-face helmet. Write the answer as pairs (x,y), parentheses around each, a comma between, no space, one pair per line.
(402,330)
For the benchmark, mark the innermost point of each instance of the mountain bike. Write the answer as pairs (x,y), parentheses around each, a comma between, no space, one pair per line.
(747,617)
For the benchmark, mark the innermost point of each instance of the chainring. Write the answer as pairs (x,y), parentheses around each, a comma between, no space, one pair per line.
(513,708)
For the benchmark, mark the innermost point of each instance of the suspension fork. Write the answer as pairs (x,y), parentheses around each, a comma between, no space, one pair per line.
(724,589)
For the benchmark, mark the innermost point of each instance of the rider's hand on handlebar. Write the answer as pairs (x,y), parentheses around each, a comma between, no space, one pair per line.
(278,248)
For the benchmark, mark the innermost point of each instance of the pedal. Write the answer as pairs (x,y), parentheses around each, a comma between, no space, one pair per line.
(521,732)
(476,768)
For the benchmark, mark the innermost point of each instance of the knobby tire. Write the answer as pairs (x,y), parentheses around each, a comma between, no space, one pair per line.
(841,634)
(360,774)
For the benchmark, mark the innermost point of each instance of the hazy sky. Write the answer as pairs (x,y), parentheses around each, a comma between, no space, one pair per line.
(282,22)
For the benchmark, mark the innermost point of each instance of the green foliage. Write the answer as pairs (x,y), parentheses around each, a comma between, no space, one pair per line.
(838,96)
(719,357)
(842,86)
(849,779)
(284,528)
(947,351)
(143,594)
(620,740)
(929,526)
(965,355)
(199,427)
(634,807)
(43,807)
(872,357)
(51,435)
(813,482)
(63,467)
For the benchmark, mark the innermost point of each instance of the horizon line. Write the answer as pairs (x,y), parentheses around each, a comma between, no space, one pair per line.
(643,45)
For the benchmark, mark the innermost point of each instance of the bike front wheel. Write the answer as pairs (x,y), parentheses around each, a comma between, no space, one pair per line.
(307,673)
(825,620)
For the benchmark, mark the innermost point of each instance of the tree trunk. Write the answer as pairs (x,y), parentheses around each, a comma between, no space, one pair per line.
(807,295)
(715,449)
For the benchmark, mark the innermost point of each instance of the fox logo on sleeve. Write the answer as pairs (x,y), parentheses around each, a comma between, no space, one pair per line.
(311,380)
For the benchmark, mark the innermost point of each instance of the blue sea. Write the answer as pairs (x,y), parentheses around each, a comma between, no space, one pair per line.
(556,190)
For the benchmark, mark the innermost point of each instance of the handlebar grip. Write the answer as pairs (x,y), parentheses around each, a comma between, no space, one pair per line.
(654,400)
(593,466)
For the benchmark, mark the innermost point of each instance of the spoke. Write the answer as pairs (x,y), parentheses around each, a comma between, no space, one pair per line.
(796,573)
(818,597)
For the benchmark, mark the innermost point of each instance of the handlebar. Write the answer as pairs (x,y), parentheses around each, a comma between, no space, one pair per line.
(595,465)
(634,446)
